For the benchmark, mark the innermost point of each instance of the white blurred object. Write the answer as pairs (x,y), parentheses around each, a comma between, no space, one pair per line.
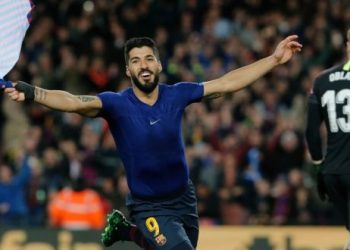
(15,17)
(89,6)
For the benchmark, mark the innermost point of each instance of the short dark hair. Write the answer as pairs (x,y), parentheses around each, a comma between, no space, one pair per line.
(138,42)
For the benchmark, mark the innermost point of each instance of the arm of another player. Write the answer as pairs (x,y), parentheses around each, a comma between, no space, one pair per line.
(314,120)
(56,99)
(314,142)
(244,76)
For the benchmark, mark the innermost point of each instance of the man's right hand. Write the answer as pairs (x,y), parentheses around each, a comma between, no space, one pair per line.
(321,185)
(20,91)
(14,94)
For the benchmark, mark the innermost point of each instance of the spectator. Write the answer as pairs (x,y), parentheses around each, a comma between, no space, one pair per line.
(76,208)
(37,195)
(13,205)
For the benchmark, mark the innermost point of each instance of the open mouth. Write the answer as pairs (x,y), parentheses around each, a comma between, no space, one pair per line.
(145,75)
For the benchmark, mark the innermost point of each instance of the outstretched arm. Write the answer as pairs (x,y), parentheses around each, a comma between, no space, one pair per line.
(244,76)
(56,99)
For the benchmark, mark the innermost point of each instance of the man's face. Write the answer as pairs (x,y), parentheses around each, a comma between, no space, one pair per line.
(143,68)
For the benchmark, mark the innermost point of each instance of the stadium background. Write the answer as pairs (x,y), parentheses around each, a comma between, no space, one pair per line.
(246,151)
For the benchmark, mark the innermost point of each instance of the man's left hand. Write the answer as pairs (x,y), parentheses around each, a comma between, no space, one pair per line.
(286,49)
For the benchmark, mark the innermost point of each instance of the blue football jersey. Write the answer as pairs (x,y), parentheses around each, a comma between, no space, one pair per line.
(149,138)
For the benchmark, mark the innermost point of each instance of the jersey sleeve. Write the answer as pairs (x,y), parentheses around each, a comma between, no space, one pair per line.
(108,99)
(313,122)
(189,92)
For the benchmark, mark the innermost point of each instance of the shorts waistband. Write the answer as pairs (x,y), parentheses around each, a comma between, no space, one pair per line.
(166,197)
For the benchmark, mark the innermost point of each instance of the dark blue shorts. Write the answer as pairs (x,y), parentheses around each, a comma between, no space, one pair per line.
(170,224)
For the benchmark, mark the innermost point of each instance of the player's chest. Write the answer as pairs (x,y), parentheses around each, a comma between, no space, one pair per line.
(162,119)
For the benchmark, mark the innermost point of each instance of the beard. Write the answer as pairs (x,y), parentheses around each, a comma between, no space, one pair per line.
(147,87)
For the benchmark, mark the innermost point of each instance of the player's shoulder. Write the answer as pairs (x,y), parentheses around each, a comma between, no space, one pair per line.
(111,99)
(187,84)
(180,88)
(176,84)
(331,70)
(324,76)
(181,85)
(112,94)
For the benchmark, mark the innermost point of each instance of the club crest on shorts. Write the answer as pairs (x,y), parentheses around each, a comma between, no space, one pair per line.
(161,240)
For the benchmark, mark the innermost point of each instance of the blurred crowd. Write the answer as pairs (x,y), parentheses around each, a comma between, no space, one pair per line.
(246,151)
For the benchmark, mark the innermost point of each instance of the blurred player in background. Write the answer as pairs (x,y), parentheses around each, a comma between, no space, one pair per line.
(329,102)
(145,121)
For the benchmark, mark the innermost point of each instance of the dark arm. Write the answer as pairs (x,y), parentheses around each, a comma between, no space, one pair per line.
(312,133)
